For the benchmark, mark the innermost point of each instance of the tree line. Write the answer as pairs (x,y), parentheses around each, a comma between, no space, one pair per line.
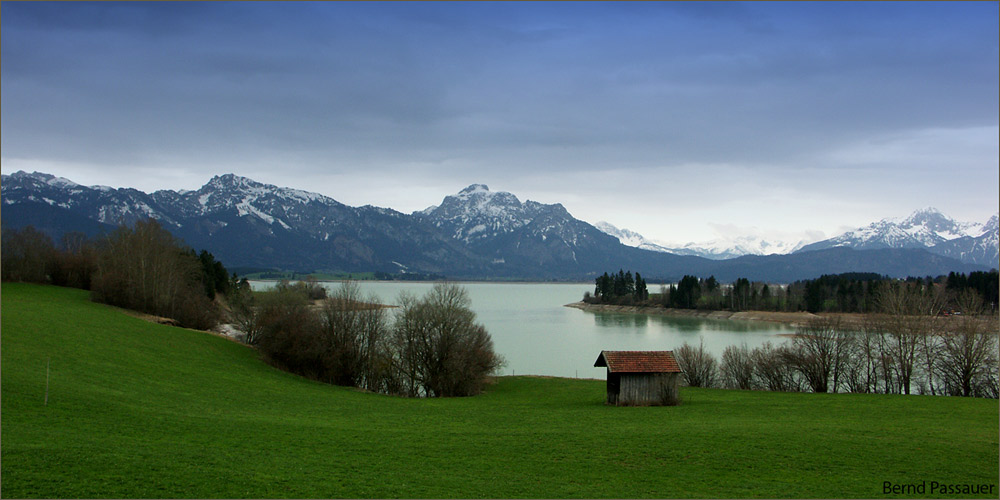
(903,347)
(143,268)
(842,293)
(619,289)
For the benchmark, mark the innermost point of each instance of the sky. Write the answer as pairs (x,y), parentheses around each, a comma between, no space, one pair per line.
(685,122)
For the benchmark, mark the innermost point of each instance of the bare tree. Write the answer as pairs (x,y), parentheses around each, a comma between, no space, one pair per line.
(819,352)
(697,364)
(354,331)
(75,261)
(906,318)
(290,336)
(865,365)
(438,347)
(968,360)
(245,314)
(145,268)
(771,371)
(737,367)
(28,255)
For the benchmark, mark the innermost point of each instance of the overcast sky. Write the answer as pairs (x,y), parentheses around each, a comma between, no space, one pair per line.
(682,121)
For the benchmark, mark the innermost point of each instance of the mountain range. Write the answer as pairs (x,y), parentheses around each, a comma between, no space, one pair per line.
(473,234)
(928,229)
(719,249)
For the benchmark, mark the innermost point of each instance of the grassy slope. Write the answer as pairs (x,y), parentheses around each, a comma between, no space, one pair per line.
(143,410)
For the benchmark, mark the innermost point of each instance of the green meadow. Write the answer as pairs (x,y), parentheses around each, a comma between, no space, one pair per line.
(137,409)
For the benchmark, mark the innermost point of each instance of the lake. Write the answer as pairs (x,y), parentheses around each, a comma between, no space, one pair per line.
(537,335)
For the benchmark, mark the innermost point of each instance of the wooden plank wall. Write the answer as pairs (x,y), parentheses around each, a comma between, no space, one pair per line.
(641,389)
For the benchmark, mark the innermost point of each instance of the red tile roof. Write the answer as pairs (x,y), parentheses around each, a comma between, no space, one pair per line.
(638,361)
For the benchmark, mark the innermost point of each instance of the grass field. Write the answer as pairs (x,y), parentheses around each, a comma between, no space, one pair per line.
(137,409)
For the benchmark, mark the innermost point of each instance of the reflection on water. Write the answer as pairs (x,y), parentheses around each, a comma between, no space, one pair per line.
(684,323)
(621,320)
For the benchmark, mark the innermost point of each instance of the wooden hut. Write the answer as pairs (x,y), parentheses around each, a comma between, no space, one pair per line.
(641,378)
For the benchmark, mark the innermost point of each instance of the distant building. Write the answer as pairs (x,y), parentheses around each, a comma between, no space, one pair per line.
(641,378)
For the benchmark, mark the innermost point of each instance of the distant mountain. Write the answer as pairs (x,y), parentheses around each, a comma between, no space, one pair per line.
(719,249)
(927,229)
(532,239)
(633,239)
(894,262)
(246,223)
(982,249)
(474,234)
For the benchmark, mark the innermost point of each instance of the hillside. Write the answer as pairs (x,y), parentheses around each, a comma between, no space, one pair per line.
(137,409)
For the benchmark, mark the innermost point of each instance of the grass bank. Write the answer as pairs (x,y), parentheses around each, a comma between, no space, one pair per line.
(137,409)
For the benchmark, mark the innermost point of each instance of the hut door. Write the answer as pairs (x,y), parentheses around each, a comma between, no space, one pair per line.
(614,385)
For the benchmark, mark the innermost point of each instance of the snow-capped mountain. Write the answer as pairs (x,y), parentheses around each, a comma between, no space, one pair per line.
(718,249)
(928,229)
(983,249)
(245,222)
(474,234)
(729,248)
(478,214)
(518,236)
(633,239)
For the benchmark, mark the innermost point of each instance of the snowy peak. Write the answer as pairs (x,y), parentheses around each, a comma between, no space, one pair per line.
(991,226)
(473,189)
(49,179)
(923,228)
(478,215)
(718,249)
(625,236)
(232,182)
(40,178)
(478,198)
(930,223)
(929,229)
(247,197)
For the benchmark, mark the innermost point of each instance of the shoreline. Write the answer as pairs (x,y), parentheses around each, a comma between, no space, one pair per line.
(788,318)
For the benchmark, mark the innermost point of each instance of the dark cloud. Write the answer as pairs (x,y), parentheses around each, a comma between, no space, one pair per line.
(456,87)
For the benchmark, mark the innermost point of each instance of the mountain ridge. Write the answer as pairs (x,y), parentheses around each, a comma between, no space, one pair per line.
(473,234)
(928,228)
